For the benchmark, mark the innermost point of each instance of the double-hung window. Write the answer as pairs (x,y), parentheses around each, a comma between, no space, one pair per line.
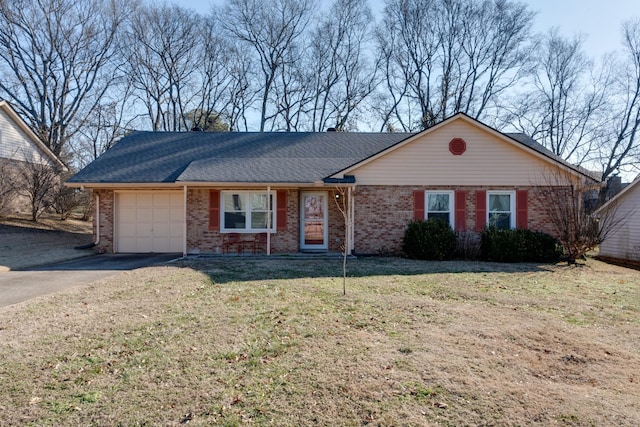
(501,211)
(439,204)
(247,211)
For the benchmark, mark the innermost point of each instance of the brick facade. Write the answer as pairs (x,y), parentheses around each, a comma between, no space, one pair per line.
(381,216)
(200,239)
(383,212)
(107,217)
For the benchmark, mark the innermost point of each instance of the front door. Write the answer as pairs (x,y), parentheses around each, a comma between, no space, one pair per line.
(313,214)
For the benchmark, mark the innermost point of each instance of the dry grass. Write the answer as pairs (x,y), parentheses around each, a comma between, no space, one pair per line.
(24,243)
(273,342)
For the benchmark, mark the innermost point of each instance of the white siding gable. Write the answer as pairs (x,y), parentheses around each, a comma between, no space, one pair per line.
(489,160)
(16,144)
(624,243)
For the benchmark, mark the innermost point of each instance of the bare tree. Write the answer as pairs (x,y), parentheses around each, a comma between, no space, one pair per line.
(621,149)
(343,73)
(291,93)
(163,54)
(565,110)
(7,186)
(55,56)
(110,121)
(36,182)
(213,99)
(241,92)
(342,199)
(447,56)
(271,28)
(570,205)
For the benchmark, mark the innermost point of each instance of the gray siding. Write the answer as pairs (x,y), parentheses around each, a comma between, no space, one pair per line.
(625,242)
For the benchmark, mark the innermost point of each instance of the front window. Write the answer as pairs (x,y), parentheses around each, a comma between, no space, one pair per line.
(501,209)
(247,211)
(439,205)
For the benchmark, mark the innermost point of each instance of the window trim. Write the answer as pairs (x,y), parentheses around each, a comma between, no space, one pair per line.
(246,196)
(512,205)
(452,205)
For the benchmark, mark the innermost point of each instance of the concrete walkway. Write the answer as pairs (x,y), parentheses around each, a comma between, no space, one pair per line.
(18,286)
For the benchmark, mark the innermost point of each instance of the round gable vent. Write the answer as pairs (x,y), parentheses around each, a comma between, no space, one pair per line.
(457,146)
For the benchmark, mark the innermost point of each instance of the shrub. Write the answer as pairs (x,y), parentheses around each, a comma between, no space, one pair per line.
(430,240)
(518,246)
(468,245)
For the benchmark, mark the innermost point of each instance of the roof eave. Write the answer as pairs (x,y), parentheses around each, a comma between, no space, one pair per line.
(4,105)
(472,121)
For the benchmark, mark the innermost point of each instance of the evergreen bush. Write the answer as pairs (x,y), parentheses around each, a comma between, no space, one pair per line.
(429,240)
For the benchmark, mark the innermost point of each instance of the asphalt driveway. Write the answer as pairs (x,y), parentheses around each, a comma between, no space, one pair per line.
(18,286)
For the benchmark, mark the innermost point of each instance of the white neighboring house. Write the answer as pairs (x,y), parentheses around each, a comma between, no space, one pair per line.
(623,243)
(20,145)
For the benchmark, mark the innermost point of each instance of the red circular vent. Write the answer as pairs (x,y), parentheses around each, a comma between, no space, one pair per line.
(457,146)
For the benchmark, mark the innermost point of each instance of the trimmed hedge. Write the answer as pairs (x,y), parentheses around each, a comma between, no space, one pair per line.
(429,240)
(518,246)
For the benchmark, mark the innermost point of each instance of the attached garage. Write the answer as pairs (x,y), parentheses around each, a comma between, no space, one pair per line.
(149,221)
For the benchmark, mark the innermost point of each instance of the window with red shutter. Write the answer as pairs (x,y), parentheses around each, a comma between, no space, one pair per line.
(418,205)
(481,210)
(522,209)
(461,210)
(281,213)
(214,210)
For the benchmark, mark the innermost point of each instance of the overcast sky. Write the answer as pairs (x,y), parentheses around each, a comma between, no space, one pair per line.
(598,20)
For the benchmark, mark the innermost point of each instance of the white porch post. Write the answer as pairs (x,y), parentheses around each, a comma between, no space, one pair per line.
(350,221)
(184,223)
(271,212)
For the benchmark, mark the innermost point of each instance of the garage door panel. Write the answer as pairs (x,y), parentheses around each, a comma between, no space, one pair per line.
(144,214)
(176,214)
(161,200)
(161,215)
(144,244)
(149,221)
(175,229)
(144,199)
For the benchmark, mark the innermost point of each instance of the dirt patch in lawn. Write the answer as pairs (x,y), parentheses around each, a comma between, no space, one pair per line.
(24,243)
(273,342)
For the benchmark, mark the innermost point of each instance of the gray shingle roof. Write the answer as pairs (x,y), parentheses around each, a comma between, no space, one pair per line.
(164,157)
(249,157)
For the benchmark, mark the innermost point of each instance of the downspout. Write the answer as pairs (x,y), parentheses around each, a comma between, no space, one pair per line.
(270,210)
(97,220)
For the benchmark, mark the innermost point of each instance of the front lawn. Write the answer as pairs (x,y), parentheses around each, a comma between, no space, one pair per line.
(274,342)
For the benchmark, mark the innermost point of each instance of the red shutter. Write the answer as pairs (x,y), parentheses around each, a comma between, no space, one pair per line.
(214,210)
(461,210)
(418,205)
(481,210)
(522,209)
(281,212)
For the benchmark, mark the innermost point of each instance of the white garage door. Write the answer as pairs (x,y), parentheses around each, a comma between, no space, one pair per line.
(149,221)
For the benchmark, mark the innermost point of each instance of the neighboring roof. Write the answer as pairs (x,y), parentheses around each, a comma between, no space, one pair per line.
(254,157)
(8,109)
(626,190)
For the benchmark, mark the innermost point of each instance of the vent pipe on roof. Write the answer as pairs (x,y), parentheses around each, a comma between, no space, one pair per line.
(332,130)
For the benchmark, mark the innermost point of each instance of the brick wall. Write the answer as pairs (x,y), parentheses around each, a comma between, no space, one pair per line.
(381,216)
(202,240)
(106,220)
(383,212)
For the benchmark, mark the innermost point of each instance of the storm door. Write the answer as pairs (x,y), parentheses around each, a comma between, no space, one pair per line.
(313,217)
